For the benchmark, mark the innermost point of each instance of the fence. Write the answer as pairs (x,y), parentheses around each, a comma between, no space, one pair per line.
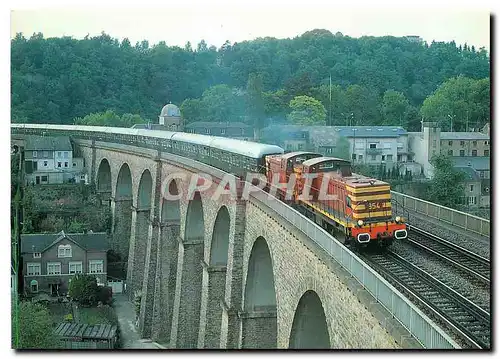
(459,219)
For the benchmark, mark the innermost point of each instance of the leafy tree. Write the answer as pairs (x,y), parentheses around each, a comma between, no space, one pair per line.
(192,110)
(447,185)
(56,80)
(105,294)
(394,108)
(363,104)
(83,288)
(109,118)
(464,100)
(306,111)
(222,104)
(35,327)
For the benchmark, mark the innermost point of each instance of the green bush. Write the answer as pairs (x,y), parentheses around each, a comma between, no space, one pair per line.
(83,289)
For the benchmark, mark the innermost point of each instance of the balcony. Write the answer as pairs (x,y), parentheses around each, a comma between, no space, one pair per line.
(374,151)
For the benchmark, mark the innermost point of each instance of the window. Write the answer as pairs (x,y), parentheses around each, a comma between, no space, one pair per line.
(474,153)
(45,163)
(481,174)
(37,255)
(75,267)
(329,150)
(66,164)
(45,154)
(353,156)
(300,146)
(462,153)
(53,268)
(389,157)
(34,286)
(487,153)
(35,154)
(373,145)
(65,154)
(59,164)
(303,135)
(450,143)
(383,157)
(360,157)
(45,178)
(474,143)
(59,154)
(373,157)
(74,164)
(472,200)
(462,143)
(222,131)
(34,268)
(96,266)
(472,188)
(400,145)
(450,152)
(64,251)
(485,142)
(207,131)
(387,145)
(359,144)
(442,143)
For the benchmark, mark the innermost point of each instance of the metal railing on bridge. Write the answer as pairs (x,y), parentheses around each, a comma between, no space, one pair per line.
(459,219)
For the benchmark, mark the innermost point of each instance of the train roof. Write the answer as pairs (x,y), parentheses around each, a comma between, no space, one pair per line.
(193,138)
(288,155)
(314,161)
(245,148)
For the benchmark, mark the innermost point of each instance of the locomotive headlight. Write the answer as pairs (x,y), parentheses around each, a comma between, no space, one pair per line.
(360,222)
(398,219)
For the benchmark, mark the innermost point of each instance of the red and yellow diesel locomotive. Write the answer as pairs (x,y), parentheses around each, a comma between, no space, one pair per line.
(329,193)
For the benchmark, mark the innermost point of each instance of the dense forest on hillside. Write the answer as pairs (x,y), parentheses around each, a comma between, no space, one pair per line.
(375,80)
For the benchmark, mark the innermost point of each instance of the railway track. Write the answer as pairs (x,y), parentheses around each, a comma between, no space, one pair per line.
(469,322)
(473,264)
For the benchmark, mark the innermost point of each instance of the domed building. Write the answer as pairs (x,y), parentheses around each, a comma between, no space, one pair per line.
(169,120)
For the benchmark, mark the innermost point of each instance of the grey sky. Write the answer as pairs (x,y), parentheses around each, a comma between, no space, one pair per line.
(216,23)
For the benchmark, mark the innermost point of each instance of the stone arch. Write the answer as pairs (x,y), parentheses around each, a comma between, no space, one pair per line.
(216,277)
(104,176)
(144,191)
(192,275)
(309,328)
(195,224)
(220,238)
(139,236)
(259,322)
(124,183)
(167,264)
(170,209)
(122,219)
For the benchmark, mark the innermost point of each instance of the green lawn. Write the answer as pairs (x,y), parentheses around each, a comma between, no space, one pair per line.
(94,315)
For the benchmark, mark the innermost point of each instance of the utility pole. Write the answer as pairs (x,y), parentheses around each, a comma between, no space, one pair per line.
(330,99)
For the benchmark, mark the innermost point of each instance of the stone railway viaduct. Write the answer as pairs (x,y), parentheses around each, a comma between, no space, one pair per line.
(227,273)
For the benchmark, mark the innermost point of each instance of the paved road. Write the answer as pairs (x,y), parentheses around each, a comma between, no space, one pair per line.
(126,316)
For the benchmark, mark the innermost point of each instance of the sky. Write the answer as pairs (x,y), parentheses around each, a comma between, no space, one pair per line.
(218,21)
